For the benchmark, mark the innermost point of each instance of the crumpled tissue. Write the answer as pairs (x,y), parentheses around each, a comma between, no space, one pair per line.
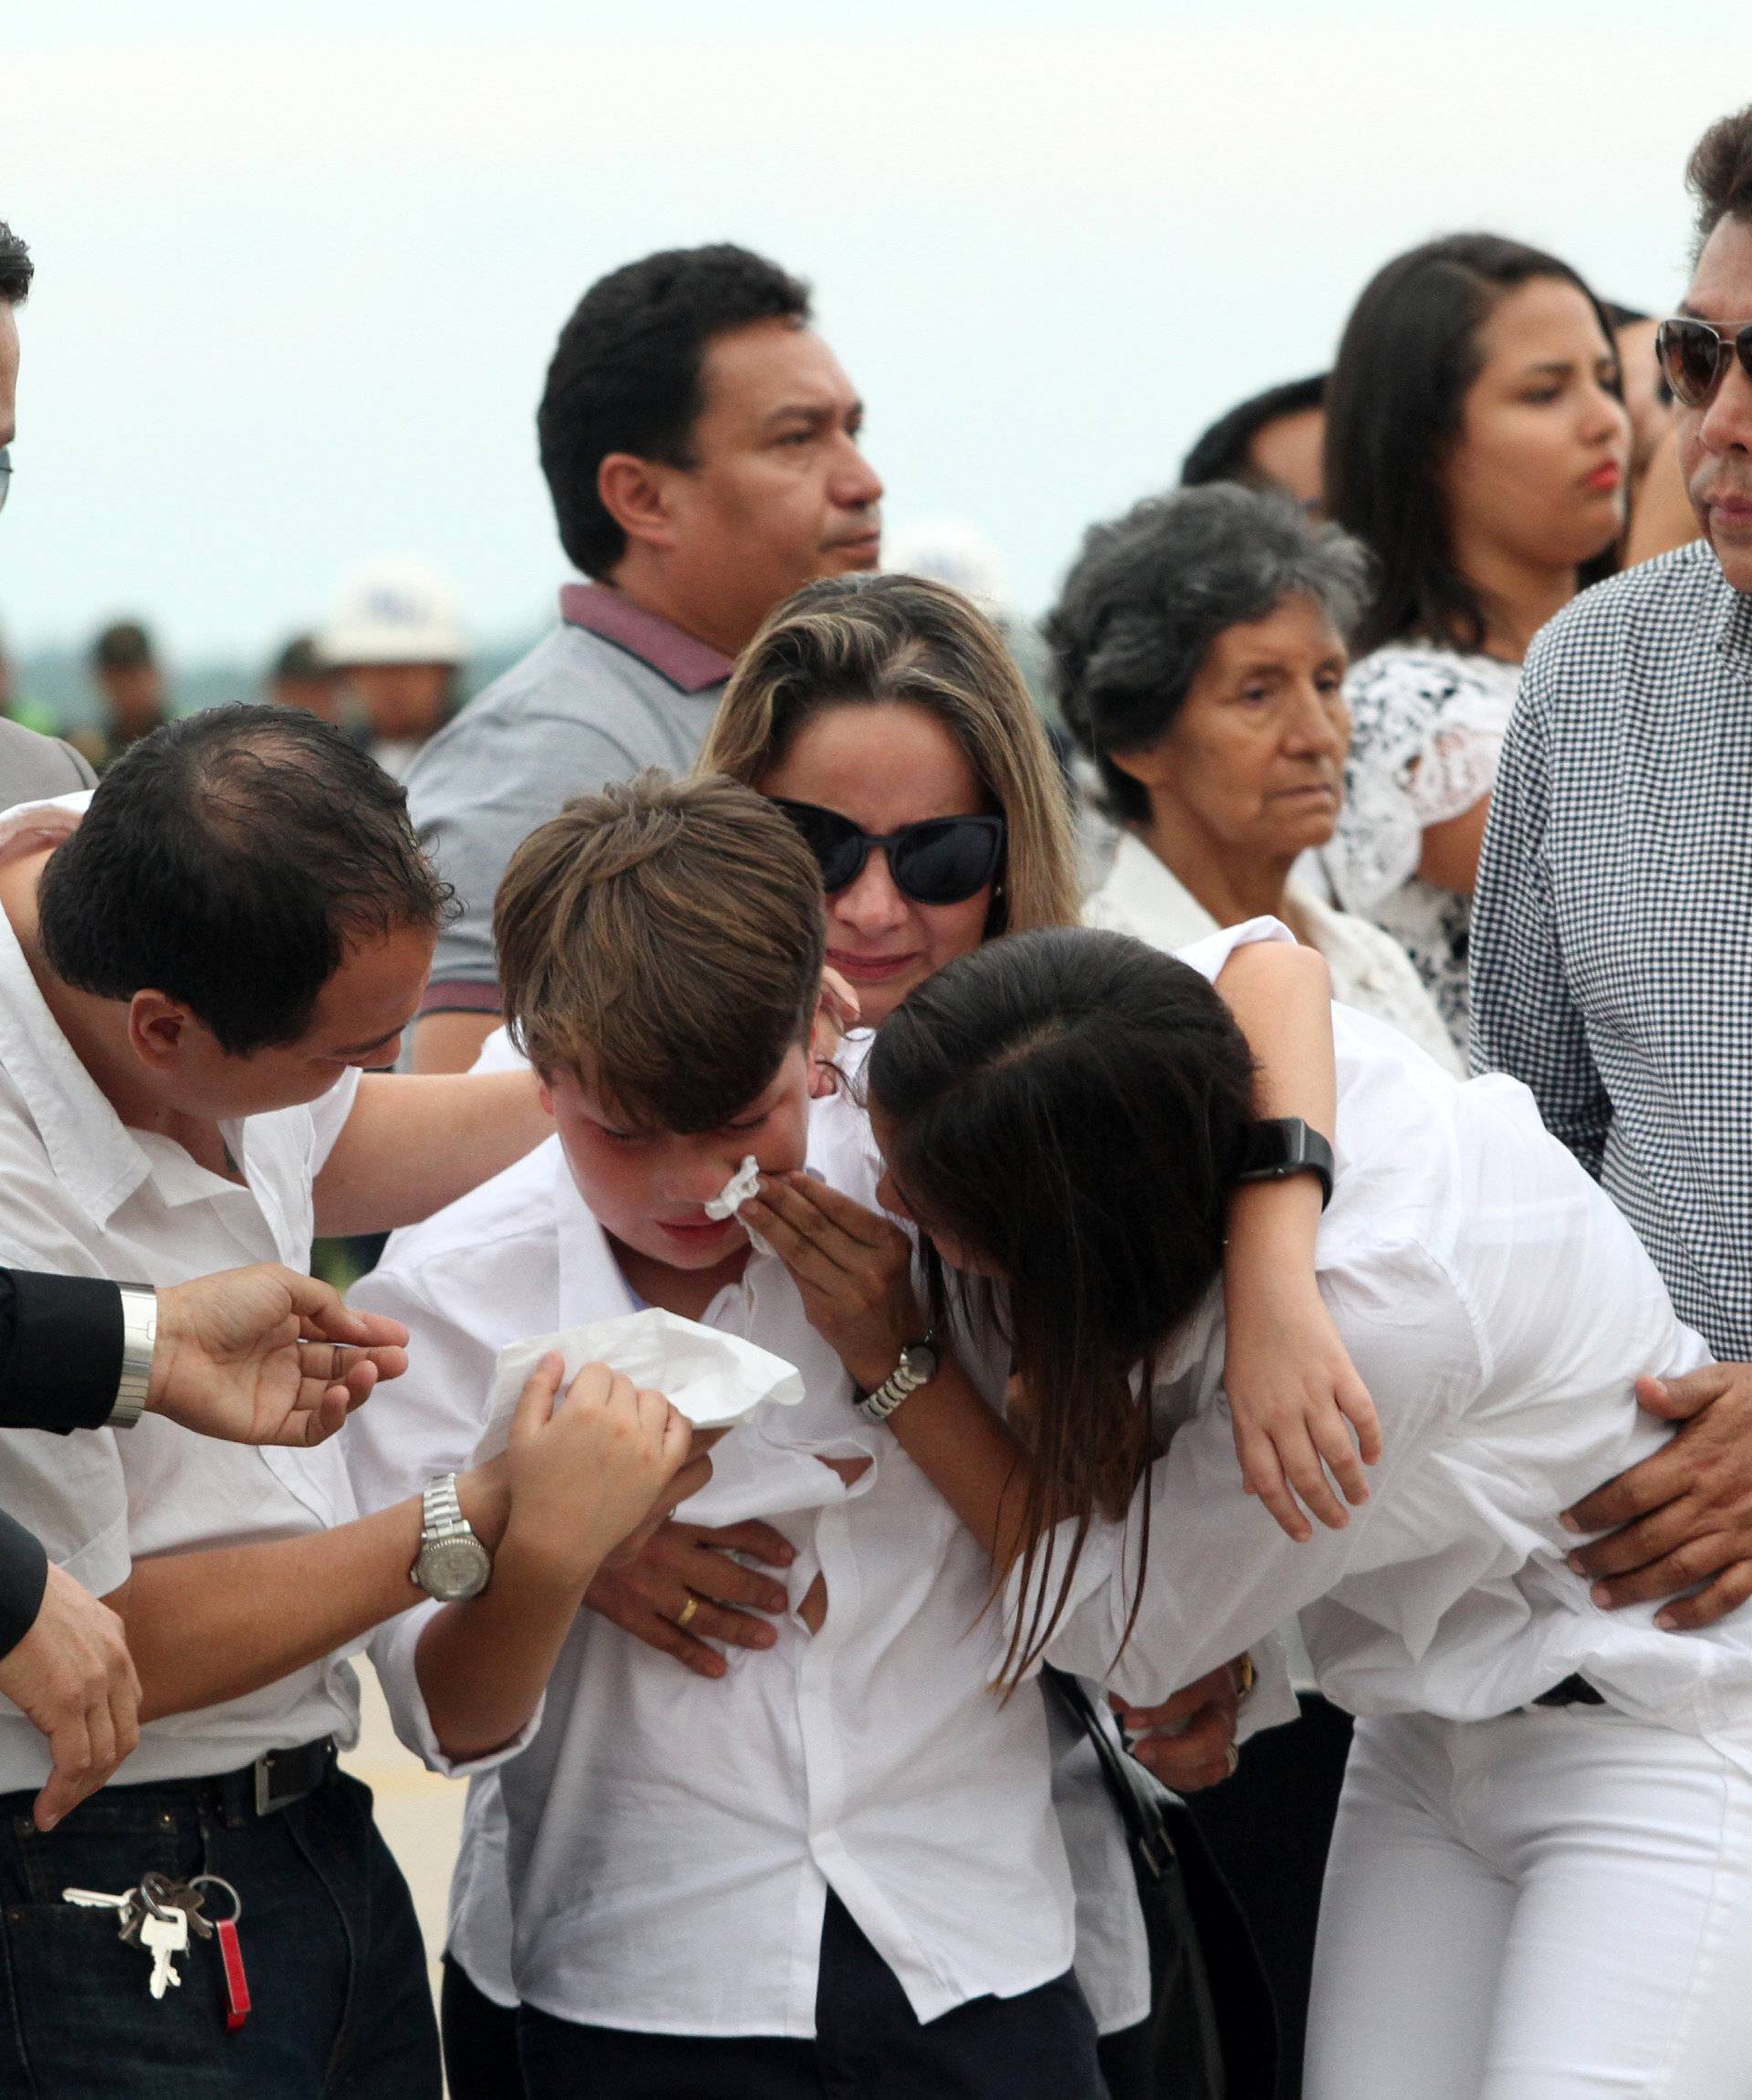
(742,1183)
(711,1377)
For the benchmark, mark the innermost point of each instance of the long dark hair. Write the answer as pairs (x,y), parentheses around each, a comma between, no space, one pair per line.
(1393,403)
(1073,1106)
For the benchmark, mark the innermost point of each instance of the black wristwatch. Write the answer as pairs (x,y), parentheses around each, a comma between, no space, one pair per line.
(1282,1145)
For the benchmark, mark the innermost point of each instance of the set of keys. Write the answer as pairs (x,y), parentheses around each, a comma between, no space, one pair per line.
(160,1913)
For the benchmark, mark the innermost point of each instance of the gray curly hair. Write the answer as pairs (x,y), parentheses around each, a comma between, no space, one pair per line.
(1151,591)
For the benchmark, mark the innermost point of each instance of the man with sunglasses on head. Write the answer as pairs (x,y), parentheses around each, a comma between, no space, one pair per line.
(1612,937)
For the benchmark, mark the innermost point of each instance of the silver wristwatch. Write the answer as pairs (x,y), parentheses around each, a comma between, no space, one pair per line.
(452,1562)
(917,1366)
(139,1340)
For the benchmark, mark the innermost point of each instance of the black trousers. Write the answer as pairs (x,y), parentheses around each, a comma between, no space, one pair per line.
(869,2046)
(1269,1828)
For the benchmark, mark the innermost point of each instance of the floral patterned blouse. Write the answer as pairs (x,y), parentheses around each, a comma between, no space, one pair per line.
(1426,733)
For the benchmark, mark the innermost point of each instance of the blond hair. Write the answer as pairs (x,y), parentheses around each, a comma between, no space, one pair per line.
(663,941)
(859,639)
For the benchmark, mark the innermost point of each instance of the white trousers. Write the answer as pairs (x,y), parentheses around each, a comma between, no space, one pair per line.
(1553,1906)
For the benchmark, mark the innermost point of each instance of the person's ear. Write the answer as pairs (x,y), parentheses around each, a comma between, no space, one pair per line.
(836,1010)
(545,1095)
(1149,766)
(160,1030)
(636,493)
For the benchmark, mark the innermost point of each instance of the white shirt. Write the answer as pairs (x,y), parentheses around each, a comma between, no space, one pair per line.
(1499,1309)
(1142,896)
(672,1839)
(959,1885)
(87,1197)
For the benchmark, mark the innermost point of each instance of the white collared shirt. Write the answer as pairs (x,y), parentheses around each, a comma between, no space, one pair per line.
(87,1197)
(1499,1309)
(672,1838)
(1142,896)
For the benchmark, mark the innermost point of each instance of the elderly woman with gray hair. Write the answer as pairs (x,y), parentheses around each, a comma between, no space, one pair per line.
(1199,651)
(1199,647)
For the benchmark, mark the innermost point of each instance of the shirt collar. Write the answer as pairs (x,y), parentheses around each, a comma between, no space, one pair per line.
(691,665)
(1145,886)
(1734,632)
(94,1156)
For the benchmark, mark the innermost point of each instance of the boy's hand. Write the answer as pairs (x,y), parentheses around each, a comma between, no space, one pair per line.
(1299,1409)
(852,1266)
(590,1469)
(683,1590)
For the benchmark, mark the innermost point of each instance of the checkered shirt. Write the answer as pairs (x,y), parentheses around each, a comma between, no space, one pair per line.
(1611,942)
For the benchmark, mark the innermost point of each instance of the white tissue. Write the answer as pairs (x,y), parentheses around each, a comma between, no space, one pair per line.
(742,1183)
(711,1377)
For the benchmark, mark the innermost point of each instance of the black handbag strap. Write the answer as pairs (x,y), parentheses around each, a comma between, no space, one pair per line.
(1132,1790)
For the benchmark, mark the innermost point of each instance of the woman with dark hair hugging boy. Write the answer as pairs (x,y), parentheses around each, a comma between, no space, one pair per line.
(1542,1881)
(836,1866)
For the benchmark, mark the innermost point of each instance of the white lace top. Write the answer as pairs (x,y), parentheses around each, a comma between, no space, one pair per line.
(1426,733)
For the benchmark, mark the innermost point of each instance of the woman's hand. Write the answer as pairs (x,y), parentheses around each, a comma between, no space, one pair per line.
(589,1469)
(852,1266)
(1188,1743)
(1299,1406)
(682,1589)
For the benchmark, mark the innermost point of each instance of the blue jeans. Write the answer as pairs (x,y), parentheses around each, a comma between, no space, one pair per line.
(337,1970)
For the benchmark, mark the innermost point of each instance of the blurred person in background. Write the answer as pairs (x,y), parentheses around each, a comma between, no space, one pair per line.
(1272,440)
(394,646)
(1200,647)
(129,679)
(701,444)
(298,677)
(1477,443)
(30,764)
(1661,512)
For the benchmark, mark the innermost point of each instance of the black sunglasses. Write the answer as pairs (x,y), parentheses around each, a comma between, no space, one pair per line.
(1695,356)
(943,861)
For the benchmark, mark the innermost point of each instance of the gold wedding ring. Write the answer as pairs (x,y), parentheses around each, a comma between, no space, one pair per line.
(1248,1677)
(688,1610)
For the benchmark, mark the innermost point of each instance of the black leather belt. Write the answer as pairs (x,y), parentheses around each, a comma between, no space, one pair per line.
(1571,1692)
(275,1779)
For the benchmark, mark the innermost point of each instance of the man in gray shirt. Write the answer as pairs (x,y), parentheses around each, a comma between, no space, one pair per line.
(700,442)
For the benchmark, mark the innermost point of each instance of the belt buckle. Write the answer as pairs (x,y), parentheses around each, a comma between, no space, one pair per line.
(264,1802)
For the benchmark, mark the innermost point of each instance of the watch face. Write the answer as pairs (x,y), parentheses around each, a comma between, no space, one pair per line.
(921,1359)
(452,1568)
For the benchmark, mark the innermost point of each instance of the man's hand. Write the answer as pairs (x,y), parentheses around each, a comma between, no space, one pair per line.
(688,1564)
(1189,1743)
(263,1356)
(72,1676)
(1682,1521)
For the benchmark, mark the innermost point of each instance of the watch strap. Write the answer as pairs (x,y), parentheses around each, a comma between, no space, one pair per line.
(440,1512)
(901,1382)
(138,1341)
(1279,1146)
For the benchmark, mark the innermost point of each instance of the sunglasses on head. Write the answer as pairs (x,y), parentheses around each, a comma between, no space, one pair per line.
(1695,356)
(943,861)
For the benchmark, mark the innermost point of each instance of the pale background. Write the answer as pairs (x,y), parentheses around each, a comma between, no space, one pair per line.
(300,274)
(301,269)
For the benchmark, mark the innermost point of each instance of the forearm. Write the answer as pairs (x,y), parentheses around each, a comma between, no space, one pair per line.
(415,1142)
(214,1625)
(970,1458)
(484,1664)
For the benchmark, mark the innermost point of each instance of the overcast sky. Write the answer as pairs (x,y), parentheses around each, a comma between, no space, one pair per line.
(297,285)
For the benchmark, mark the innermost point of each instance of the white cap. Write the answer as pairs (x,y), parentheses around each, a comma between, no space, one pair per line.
(952,550)
(395,610)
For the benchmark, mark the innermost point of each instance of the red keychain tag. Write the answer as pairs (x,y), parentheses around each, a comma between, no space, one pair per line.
(231,1952)
(236,1983)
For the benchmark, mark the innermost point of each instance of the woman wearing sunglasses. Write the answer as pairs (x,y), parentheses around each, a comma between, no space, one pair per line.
(887,720)
(1477,443)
